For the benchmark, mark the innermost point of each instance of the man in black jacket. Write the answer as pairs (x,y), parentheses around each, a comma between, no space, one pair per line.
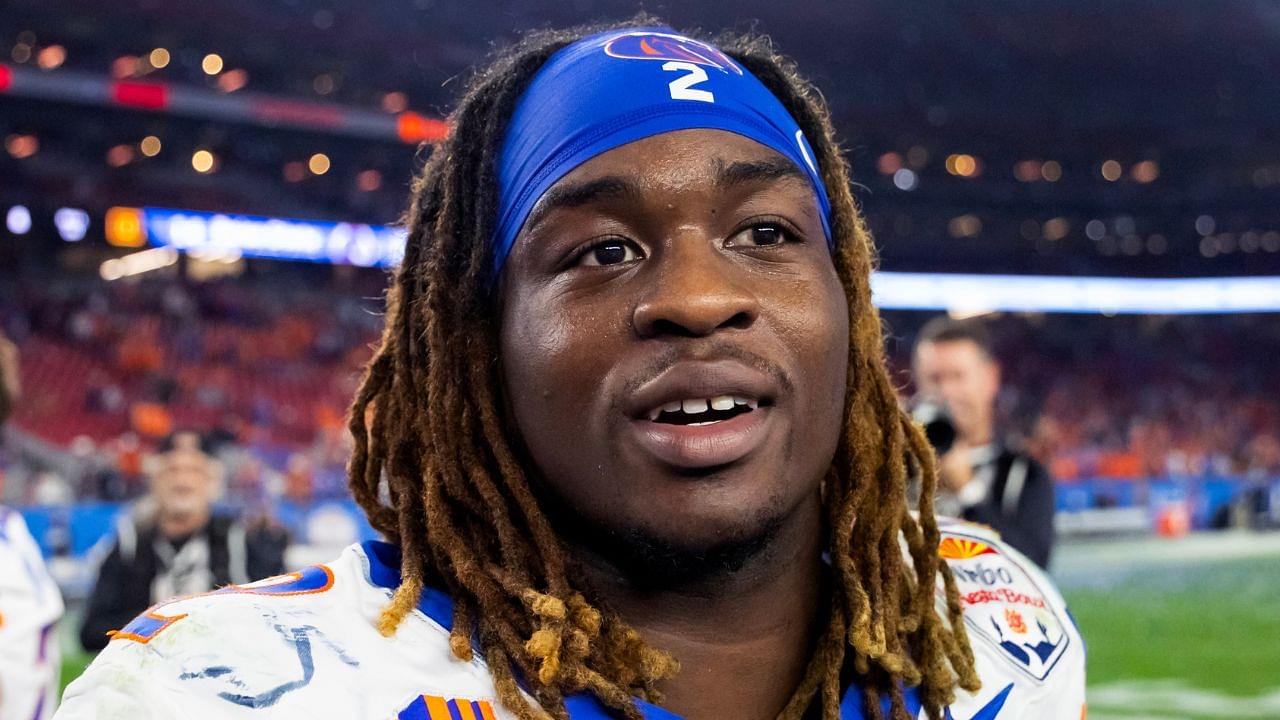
(983,479)
(171,543)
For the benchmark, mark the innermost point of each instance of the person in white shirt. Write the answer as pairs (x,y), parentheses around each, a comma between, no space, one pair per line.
(30,607)
(30,602)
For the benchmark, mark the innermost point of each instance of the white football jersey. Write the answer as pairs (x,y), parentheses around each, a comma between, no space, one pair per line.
(305,645)
(30,606)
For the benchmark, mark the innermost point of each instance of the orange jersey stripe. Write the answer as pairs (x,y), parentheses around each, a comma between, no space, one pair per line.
(464,709)
(437,708)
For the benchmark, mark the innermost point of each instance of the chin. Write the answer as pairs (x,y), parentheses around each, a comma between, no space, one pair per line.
(719,501)
(183,506)
(662,560)
(670,545)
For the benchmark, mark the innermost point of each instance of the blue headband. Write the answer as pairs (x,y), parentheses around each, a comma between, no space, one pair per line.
(604,91)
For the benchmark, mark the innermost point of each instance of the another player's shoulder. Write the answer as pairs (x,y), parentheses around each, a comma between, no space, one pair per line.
(23,577)
(1029,652)
(12,527)
(302,642)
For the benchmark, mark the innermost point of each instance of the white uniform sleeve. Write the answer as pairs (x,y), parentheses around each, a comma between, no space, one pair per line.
(115,687)
(30,606)
(1029,653)
(234,654)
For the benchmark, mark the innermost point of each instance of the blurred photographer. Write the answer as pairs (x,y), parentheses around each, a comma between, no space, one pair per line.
(172,543)
(983,479)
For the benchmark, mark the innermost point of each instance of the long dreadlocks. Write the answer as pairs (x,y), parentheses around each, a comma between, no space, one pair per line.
(435,472)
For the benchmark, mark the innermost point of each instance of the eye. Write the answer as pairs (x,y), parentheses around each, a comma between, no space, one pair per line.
(610,252)
(764,234)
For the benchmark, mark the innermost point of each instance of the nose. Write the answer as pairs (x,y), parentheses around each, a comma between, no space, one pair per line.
(694,292)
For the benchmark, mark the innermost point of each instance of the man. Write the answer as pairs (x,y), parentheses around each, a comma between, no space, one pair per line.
(630,432)
(983,479)
(30,603)
(171,543)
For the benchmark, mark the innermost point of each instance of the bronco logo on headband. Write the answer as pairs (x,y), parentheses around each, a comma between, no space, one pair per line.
(647,45)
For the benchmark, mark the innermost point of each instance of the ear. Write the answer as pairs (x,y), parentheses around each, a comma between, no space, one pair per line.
(992,373)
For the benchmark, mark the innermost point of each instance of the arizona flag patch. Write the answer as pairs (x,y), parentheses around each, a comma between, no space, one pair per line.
(434,707)
(954,548)
(1004,605)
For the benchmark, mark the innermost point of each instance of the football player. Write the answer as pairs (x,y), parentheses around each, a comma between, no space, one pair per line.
(30,602)
(631,438)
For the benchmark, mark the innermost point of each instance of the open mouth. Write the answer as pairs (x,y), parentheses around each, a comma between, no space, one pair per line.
(698,415)
(698,412)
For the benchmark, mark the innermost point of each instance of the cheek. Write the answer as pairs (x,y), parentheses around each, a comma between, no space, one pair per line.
(554,353)
(836,361)
(816,330)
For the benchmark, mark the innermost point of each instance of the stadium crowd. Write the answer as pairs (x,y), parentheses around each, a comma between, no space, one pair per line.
(111,369)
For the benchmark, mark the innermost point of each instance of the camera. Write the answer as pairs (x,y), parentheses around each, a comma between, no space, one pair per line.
(939,430)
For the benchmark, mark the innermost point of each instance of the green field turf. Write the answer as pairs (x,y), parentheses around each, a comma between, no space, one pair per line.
(1214,626)
(1179,630)
(73,663)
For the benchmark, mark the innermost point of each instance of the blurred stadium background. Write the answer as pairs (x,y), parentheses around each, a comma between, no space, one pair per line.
(200,199)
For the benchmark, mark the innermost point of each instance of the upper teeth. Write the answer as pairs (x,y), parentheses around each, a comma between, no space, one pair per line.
(694,406)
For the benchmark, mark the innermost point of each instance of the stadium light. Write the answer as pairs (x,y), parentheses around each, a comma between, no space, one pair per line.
(22,146)
(369,180)
(120,155)
(220,234)
(159,58)
(232,80)
(395,102)
(318,164)
(211,64)
(18,220)
(72,223)
(141,95)
(414,128)
(123,227)
(1145,171)
(202,161)
(51,57)
(955,292)
(137,263)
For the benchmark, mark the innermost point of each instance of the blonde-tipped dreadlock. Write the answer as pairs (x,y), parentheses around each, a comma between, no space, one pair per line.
(427,419)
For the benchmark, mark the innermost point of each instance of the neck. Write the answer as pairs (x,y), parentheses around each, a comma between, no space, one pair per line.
(979,432)
(755,625)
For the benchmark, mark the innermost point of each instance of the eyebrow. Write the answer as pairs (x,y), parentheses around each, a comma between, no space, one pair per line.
(610,187)
(755,171)
(617,187)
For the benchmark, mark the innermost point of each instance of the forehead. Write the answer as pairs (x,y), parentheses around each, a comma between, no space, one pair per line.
(184,459)
(960,350)
(681,160)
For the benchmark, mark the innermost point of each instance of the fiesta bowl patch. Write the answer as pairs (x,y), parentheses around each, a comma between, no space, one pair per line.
(1003,604)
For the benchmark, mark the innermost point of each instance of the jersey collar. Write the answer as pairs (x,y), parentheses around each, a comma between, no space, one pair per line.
(384,571)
